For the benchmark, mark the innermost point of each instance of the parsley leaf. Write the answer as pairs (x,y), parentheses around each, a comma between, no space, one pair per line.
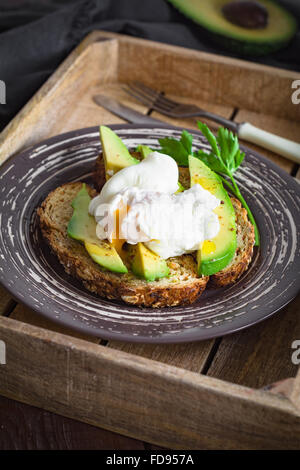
(225,157)
(178,149)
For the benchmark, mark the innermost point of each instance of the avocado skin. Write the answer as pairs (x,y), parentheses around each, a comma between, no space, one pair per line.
(245,46)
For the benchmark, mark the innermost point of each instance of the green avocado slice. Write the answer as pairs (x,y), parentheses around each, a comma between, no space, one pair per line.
(148,265)
(115,153)
(281,26)
(82,227)
(214,255)
(144,150)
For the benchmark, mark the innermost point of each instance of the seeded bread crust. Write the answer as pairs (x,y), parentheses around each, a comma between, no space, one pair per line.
(182,287)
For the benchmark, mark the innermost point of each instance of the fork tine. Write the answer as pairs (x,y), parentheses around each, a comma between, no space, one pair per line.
(159,99)
(160,95)
(139,97)
(163,104)
(144,92)
(167,102)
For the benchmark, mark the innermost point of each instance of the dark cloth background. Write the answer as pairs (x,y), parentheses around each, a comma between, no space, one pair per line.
(35,36)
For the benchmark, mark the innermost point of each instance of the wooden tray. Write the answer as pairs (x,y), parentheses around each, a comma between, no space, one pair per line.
(205,395)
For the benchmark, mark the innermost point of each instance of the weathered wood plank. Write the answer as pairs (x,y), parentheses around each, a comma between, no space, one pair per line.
(212,78)
(84,112)
(6,301)
(189,356)
(112,389)
(26,315)
(283,127)
(25,427)
(261,354)
(295,392)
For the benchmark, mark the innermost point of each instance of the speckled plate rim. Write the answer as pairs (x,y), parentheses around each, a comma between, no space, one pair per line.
(192,334)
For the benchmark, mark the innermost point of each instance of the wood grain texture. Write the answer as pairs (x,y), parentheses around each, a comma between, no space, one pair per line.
(212,78)
(26,315)
(261,354)
(84,112)
(283,127)
(113,389)
(6,301)
(188,356)
(24,427)
(295,392)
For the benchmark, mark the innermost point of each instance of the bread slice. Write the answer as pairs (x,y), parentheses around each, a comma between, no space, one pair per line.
(182,287)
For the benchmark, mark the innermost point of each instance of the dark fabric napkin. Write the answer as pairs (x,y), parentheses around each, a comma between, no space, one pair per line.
(35,36)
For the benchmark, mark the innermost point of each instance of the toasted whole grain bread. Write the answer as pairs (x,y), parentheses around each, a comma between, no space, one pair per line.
(183,286)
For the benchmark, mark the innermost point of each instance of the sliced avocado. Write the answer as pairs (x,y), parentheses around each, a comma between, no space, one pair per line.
(148,265)
(82,227)
(215,254)
(115,153)
(180,188)
(144,150)
(106,255)
(231,27)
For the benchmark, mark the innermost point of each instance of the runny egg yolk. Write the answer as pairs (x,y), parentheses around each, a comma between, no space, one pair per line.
(119,215)
(208,247)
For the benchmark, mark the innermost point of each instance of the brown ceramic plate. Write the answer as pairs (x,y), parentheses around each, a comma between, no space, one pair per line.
(34,277)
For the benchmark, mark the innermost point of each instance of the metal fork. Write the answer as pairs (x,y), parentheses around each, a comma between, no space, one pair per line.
(160,103)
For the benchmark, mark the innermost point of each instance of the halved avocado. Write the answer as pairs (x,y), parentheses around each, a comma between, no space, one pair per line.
(82,227)
(215,254)
(148,265)
(213,16)
(115,153)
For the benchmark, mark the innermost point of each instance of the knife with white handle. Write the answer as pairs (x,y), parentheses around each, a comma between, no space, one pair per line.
(286,148)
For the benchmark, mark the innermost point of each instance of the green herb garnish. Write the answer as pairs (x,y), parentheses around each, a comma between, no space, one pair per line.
(178,149)
(224,158)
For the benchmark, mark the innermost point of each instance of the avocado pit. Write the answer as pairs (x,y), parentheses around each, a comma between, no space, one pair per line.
(246,13)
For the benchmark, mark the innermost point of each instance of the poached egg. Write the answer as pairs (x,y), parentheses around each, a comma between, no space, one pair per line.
(139,204)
